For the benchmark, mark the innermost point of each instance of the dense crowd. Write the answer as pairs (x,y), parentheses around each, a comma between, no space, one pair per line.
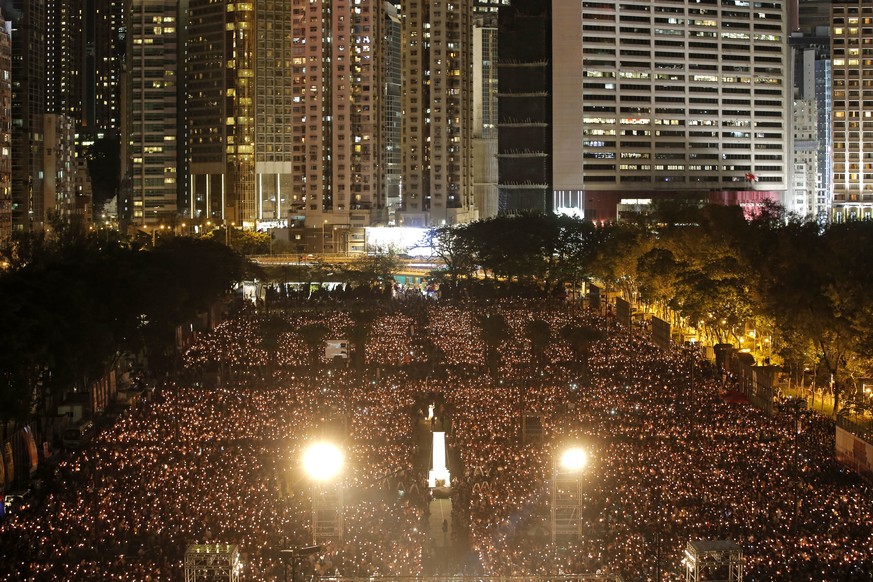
(670,460)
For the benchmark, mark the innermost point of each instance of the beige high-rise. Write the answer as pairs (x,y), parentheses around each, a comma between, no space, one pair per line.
(437,103)
(852,108)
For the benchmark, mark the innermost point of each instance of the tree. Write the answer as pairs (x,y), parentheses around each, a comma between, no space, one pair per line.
(453,245)
(493,331)
(313,335)
(359,332)
(581,340)
(272,329)
(538,334)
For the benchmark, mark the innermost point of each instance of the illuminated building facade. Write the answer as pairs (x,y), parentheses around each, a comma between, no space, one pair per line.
(28,108)
(485,109)
(221,111)
(64,57)
(687,98)
(392,118)
(5,129)
(59,165)
(152,124)
(338,176)
(852,62)
(437,132)
(105,37)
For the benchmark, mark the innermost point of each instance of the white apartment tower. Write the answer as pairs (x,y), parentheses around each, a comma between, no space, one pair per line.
(672,98)
(437,112)
(806,179)
(485,110)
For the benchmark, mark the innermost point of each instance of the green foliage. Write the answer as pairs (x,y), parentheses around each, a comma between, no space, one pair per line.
(74,303)
(313,335)
(538,333)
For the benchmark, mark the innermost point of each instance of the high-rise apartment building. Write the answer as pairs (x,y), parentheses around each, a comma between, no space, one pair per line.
(852,62)
(805,176)
(5,129)
(29,209)
(105,48)
(437,112)
(65,54)
(59,164)
(812,136)
(686,98)
(485,109)
(152,126)
(392,118)
(338,114)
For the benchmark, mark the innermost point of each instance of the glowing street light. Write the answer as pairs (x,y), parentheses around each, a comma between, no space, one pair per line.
(574,459)
(323,461)
(566,493)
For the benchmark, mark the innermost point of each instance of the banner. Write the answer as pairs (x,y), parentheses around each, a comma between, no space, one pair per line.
(32,452)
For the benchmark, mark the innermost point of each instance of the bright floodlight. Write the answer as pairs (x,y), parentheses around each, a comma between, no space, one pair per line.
(574,459)
(322,461)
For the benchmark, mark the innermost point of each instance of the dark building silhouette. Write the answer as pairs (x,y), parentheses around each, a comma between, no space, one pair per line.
(524,132)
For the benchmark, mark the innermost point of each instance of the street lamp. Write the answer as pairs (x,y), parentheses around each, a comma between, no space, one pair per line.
(566,486)
(323,462)
(574,459)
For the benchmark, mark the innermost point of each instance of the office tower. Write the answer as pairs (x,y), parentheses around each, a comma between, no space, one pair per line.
(274,93)
(437,112)
(525,107)
(485,109)
(151,126)
(220,111)
(5,129)
(852,61)
(392,118)
(671,99)
(812,89)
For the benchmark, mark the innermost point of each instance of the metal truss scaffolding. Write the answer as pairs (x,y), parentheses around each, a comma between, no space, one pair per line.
(540,578)
(566,504)
(713,561)
(212,562)
(327,513)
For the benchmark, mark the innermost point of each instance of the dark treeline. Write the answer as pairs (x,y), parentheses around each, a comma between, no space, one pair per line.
(804,288)
(73,304)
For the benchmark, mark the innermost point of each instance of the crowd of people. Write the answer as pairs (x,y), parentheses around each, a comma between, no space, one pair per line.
(670,460)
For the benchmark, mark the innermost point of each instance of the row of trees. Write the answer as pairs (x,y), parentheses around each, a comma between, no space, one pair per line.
(75,303)
(796,290)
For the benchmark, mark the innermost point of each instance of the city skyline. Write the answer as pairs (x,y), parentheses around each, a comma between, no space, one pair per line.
(402,119)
